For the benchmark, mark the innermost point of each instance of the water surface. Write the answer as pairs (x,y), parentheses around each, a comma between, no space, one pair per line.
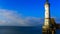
(22,30)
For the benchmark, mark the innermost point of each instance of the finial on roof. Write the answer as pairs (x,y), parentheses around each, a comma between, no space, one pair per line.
(47,1)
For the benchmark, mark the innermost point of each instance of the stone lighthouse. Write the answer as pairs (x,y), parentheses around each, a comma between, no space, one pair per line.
(47,13)
(46,26)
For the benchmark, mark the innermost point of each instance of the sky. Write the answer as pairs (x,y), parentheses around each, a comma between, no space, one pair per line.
(17,12)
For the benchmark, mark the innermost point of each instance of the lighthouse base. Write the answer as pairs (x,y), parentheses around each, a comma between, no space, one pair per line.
(48,30)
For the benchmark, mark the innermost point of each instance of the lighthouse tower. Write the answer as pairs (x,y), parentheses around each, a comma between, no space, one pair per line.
(47,15)
(46,26)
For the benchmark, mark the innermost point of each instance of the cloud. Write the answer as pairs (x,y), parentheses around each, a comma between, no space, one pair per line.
(12,18)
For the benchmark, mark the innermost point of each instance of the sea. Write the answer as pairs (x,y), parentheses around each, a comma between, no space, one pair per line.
(22,30)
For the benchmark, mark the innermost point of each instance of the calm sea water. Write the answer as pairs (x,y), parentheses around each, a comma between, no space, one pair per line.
(21,30)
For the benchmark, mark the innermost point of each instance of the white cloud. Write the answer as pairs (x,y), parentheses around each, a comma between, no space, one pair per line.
(9,17)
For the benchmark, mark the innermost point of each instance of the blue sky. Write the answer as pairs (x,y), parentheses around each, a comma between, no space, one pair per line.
(30,8)
(33,8)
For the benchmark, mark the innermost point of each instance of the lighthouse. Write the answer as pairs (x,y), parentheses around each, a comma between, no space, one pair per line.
(47,14)
(46,25)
